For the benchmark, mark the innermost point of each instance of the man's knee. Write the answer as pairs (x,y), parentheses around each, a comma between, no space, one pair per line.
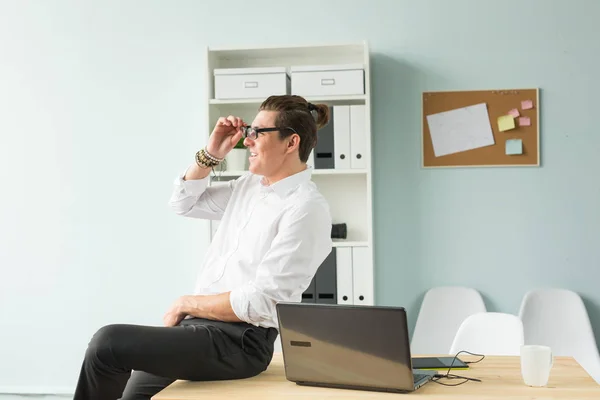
(105,342)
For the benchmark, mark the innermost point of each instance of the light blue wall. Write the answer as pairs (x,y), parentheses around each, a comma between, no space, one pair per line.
(102,104)
(502,231)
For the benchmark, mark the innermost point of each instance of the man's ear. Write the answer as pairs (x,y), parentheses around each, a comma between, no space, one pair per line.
(293,142)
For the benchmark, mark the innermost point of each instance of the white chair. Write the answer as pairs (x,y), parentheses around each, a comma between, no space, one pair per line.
(490,333)
(558,318)
(442,311)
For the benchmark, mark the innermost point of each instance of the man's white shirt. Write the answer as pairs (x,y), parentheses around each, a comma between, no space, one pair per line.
(269,244)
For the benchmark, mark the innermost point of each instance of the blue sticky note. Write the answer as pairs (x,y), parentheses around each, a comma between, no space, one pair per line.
(514,147)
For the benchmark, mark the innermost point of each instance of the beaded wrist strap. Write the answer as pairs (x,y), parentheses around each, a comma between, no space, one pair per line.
(205,160)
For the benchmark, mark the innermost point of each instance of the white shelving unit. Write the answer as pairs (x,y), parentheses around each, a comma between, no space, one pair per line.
(348,190)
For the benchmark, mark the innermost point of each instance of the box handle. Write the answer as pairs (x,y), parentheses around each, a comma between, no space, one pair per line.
(325,82)
(250,85)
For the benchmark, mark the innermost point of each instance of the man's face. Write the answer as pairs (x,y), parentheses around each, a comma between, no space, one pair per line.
(267,151)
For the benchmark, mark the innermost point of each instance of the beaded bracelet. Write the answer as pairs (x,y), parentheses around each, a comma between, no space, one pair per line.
(213,158)
(205,160)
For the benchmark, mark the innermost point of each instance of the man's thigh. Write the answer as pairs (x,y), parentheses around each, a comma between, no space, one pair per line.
(192,352)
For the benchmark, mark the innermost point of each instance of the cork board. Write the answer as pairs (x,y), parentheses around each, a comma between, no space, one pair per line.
(452,146)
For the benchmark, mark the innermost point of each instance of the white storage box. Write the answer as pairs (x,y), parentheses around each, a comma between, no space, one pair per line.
(328,80)
(247,83)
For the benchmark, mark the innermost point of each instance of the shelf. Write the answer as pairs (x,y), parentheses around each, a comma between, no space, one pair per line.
(344,243)
(347,191)
(315,172)
(344,171)
(330,100)
(275,55)
(274,51)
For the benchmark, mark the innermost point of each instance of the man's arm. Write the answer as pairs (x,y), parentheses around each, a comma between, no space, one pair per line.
(215,307)
(195,172)
(191,196)
(302,243)
(194,198)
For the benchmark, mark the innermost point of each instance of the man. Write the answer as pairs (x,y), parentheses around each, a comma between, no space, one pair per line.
(275,232)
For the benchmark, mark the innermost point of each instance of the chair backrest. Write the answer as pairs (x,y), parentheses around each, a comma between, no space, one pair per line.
(490,333)
(558,318)
(442,311)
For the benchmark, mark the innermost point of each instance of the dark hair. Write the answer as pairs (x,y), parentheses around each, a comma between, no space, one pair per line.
(297,113)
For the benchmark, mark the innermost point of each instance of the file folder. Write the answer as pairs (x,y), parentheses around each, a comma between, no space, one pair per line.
(324,150)
(310,294)
(341,137)
(358,138)
(326,280)
(363,278)
(344,275)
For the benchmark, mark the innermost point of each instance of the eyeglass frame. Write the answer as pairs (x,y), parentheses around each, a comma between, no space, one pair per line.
(246,129)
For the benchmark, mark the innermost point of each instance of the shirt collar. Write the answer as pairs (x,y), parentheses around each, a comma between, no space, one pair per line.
(286,185)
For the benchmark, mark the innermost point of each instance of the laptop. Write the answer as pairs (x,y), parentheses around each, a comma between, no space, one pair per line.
(348,346)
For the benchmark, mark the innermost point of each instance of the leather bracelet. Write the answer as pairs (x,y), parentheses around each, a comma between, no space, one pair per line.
(203,160)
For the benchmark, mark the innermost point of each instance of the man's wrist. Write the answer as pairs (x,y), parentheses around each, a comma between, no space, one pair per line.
(187,305)
(205,160)
(214,153)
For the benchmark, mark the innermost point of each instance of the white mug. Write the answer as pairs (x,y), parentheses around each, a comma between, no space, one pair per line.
(536,363)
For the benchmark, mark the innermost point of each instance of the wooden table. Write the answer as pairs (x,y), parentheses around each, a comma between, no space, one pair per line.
(501,379)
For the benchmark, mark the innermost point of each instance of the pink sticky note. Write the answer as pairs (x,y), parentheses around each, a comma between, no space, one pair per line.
(526,104)
(524,121)
(514,113)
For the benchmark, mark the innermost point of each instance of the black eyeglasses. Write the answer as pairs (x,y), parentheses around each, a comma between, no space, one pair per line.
(252,133)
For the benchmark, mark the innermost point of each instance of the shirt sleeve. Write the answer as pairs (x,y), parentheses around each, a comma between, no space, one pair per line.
(196,199)
(301,245)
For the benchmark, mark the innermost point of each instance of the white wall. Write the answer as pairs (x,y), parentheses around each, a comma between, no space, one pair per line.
(100,108)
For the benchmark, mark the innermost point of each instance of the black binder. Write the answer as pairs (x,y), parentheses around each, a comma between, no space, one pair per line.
(323,287)
(324,150)
(326,280)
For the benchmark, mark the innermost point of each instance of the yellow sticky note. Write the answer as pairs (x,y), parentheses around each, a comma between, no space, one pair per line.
(506,122)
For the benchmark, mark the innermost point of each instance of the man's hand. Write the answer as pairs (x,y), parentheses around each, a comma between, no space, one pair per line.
(215,307)
(176,313)
(226,134)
